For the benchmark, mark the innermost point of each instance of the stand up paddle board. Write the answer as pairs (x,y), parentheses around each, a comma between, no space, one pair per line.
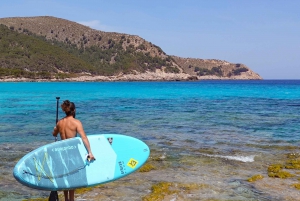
(63,165)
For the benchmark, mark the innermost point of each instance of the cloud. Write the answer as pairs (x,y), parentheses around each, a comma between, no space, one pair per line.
(95,24)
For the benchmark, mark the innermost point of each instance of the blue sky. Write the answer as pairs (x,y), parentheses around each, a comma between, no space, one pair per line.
(262,34)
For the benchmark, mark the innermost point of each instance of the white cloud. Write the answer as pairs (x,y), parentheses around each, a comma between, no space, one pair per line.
(95,24)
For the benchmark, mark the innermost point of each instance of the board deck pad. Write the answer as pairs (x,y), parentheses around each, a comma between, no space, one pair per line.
(63,165)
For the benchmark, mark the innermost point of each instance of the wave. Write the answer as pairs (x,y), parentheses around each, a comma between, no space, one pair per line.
(244,159)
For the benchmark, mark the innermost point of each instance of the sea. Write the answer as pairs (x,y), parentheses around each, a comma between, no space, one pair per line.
(215,134)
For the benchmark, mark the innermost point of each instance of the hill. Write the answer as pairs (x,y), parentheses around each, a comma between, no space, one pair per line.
(54,48)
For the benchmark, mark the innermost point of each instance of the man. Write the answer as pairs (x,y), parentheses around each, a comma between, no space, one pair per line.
(68,127)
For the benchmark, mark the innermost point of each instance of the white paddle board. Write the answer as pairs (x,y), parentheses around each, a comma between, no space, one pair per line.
(63,165)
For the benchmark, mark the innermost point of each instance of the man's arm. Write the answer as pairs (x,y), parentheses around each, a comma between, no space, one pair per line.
(55,131)
(85,140)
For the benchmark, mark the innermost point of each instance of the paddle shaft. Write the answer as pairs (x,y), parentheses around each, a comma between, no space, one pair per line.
(53,195)
(57,101)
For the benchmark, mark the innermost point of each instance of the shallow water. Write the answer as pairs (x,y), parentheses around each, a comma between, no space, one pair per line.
(217,133)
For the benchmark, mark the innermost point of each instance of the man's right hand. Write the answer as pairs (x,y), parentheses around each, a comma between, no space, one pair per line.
(90,157)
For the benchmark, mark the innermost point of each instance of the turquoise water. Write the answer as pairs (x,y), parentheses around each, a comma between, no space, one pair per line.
(264,110)
(235,119)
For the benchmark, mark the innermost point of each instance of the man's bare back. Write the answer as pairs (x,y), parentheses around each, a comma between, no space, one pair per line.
(68,127)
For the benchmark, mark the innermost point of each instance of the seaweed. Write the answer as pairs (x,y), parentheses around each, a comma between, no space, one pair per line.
(293,164)
(275,168)
(162,189)
(297,186)
(255,178)
(147,167)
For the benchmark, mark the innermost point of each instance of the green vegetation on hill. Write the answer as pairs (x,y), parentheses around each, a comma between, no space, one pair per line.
(28,55)
(238,71)
(214,71)
(218,71)
(115,59)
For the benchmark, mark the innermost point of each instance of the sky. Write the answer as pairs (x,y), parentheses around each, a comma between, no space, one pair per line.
(262,34)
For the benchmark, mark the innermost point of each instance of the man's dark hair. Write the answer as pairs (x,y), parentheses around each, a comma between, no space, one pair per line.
(68,107)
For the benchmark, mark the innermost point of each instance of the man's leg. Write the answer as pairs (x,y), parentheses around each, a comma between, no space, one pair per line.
(66,193)
(72,195)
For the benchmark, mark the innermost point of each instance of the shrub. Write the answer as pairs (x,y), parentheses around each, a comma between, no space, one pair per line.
(239,71)
(142,47)
(217,71)
(169,69)
(204,71)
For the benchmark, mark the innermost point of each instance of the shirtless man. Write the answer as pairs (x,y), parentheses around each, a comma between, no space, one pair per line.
(68,127)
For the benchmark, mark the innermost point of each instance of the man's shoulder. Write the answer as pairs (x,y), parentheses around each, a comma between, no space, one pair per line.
(78,121)
(72,120)
(61,120)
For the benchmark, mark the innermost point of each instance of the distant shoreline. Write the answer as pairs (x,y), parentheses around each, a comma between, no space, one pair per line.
(148,76)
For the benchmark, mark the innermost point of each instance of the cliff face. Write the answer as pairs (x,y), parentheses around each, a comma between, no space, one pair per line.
(215,69)
(121,56)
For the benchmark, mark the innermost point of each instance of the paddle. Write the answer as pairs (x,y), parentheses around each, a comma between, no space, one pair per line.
(54,195)
(57,100)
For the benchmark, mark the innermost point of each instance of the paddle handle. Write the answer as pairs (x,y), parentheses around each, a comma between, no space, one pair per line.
(57,102)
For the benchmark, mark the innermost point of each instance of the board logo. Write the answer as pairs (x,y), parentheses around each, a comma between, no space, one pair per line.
(64,148)
(110,140)
(122,167)
(132,163)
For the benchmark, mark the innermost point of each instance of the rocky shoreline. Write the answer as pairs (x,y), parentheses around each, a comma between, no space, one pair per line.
(148,76)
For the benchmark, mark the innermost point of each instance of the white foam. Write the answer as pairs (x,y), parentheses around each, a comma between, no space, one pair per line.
(244,159)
